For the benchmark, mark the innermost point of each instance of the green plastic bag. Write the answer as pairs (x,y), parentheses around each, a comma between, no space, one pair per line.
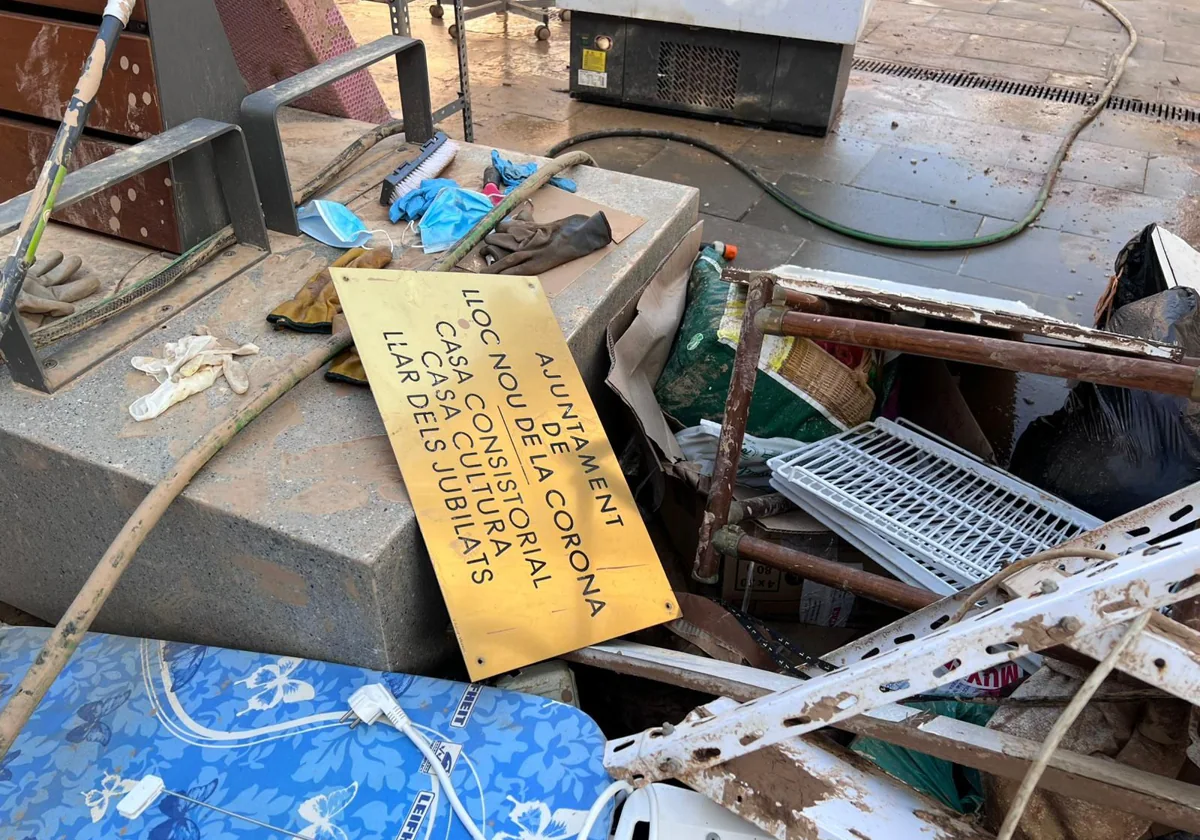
(951,784)
(695,380)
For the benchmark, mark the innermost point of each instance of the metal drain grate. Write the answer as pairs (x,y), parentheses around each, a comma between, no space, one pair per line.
(1049,93)
(698,75)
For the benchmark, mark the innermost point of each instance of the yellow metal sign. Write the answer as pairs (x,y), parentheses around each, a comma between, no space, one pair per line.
(537,543)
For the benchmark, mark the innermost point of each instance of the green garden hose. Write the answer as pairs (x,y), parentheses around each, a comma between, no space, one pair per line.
(791,203)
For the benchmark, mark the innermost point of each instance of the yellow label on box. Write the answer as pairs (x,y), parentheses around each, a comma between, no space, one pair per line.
(594,60)
(535,538)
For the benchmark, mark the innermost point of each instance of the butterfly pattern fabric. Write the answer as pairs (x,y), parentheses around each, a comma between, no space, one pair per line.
(183,661)
(321,811)
(273,684)
(250,735)
(93,714)
(180,824)
(112,787)
(11,756)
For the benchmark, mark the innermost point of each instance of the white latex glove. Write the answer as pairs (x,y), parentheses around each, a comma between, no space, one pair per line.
(171,391)
(188,366)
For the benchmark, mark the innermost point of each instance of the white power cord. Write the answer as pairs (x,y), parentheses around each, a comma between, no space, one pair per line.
(610,792)
(436,787)
(652,796)
(374,701)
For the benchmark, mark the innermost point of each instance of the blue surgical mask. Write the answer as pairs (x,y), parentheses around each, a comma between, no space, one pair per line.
(450,217)
(333,223)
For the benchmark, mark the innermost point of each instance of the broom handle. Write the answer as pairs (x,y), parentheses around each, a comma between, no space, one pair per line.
(41,198)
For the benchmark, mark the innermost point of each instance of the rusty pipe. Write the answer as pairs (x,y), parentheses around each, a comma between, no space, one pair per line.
(799,301)
(1104,369)
(893,593)
(759,507)
(733,428)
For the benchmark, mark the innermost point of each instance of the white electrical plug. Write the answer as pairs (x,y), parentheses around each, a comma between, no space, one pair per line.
(367,703)
(134,803)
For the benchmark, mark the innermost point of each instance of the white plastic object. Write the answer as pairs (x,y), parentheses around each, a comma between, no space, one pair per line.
(367,702)
(930,513)
(676,813)
(134,803)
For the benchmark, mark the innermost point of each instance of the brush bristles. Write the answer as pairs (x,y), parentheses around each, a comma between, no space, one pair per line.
(431,167)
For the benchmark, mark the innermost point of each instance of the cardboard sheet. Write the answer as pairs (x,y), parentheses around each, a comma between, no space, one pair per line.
(551,204)
(640,354)
(538,546)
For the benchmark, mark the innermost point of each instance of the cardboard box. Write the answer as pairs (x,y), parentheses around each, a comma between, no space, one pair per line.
(783,595)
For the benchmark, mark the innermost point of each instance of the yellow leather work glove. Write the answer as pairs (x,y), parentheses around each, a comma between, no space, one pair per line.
(347,367)
(313,307)
(316,308)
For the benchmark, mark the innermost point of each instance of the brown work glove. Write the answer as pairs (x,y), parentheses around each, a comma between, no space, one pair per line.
(313,308)
(49,287)
(519,245)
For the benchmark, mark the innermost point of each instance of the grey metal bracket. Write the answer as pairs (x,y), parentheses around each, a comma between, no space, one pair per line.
(188,42)
(463,102)
(235,178)
(398,12)
(260,110)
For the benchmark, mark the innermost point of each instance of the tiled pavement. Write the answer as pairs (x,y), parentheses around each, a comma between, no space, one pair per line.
(1063,42)
(905,158)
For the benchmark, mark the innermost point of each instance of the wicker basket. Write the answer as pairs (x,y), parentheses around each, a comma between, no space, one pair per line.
(843,392)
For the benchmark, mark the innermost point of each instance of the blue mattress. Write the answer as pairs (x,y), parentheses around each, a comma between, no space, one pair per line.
(262,737)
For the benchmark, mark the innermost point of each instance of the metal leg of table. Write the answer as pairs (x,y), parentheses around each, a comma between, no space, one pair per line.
(733,428)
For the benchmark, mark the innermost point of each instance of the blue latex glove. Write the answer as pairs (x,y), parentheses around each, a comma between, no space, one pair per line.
(413,206)
(514,173)
(451,216)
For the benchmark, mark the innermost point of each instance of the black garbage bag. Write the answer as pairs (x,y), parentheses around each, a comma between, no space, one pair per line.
(1111,450)
(1136,275)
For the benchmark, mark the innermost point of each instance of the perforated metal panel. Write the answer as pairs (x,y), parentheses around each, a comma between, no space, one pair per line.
(699,75)
(941,509)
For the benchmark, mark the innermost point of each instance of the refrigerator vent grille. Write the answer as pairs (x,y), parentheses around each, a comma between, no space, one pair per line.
(698,75)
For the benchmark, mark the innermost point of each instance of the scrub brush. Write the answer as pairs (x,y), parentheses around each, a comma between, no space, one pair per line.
(436,154)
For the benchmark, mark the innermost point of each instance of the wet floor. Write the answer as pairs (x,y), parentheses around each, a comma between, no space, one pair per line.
(905,158)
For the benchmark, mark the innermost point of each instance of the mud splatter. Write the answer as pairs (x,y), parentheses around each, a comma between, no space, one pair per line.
(362,464)
(274,580)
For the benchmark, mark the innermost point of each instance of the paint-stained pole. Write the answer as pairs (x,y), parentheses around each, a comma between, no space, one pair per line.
(41,199)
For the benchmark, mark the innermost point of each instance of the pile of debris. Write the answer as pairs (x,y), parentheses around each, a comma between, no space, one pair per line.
(804,597)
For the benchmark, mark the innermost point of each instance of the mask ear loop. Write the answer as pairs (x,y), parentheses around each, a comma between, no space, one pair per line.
(411,230)
(386,234)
